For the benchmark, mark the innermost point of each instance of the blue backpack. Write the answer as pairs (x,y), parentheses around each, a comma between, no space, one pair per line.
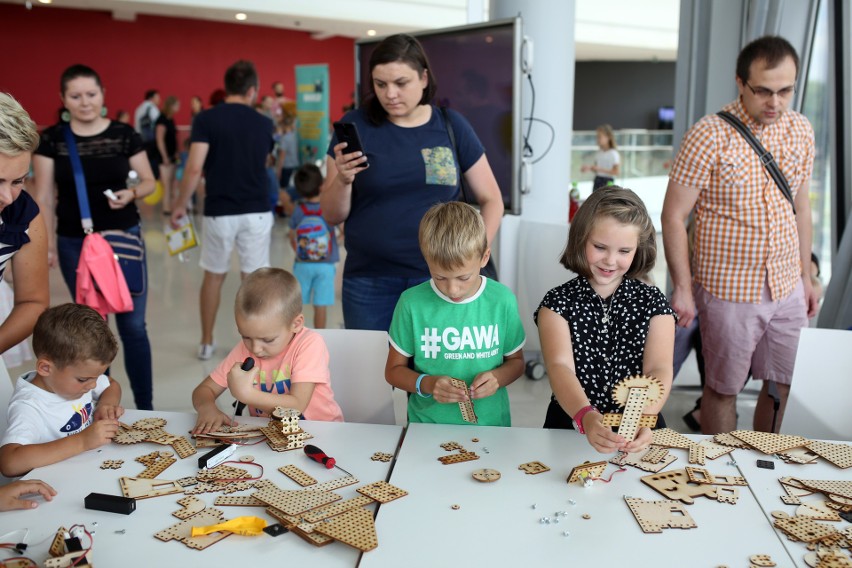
(313,237)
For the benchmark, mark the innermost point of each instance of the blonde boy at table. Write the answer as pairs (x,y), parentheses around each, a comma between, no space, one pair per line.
(290,361)
(456,325)
(52,413)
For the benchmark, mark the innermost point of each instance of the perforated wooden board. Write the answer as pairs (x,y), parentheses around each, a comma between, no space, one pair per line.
(761,560)
(57,547)
(840,488)
(637,398)
(727,495)
(381,456)
(655,454)
(614,419)
(130,437)
(668,438)
(696,454)
(186,481)
(838,454)
(450,446)
(297,475)
(713,451)
(222,471)
(803,528)
(355,528)
(698,475)
(238,501)
(818,510)
(458,458)
(486,475)
(295,522)
(296,502)
(726,439)
(767,442)
(592,469)
(183,447)
(156,467)
(382,491)
(191,506)
(160,436)
(798,455)
(654,516)
(466,406)
(182,531)
(112,464)
(533,467)
(318,515)
(675,485)
(140,488)
(333,484)
(635,459)
(149,423)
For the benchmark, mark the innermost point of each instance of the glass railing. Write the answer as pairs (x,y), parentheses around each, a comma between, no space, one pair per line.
(643,153)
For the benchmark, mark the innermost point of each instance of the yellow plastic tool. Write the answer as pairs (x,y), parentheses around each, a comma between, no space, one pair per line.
(245,526)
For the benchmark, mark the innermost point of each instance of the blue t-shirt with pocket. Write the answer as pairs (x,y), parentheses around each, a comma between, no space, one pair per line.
(410,170)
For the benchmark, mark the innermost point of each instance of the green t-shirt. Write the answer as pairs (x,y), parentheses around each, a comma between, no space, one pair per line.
(460,340)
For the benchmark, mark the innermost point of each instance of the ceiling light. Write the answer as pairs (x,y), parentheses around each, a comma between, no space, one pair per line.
(371,33)
(45,1)
(240,16)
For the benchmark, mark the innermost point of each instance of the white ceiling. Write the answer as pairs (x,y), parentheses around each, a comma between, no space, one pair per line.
(605,29)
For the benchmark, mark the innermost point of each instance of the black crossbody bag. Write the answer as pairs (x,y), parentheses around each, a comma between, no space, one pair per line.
(766,158)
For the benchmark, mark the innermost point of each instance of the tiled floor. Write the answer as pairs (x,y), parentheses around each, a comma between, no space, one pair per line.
(173,326)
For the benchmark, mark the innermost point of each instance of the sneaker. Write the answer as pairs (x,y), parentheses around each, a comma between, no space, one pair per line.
(206,350)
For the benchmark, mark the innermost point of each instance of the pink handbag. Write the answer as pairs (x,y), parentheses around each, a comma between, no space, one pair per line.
(100,281)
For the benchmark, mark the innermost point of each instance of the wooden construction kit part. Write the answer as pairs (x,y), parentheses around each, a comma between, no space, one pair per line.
(675,485)
(761,561)
(156,463)
(838,454)
(696,454)
(802,529)
(112,464)
(635,394)
(149,423)
(140,488)
(297,475)
(636,460)
(458,458)
(182,531)
(655,454)
(726,494)
(466,406)
(586,469)
(668,438)
(382,491)
(355,528)
(318,515)
(191,505)
(57,547)
(533,467)
(295,502)
(712,450)
(238,501)
(767,442)
(654,516)
(817,510)
(381,456)
(486,475)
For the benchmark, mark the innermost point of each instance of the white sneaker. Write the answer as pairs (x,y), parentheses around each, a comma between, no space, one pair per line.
(206,350)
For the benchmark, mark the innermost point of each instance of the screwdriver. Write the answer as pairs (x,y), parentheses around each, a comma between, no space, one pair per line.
(320,456)
(247,365)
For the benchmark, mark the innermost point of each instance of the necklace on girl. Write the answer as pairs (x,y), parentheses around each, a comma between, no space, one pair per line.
(607,309)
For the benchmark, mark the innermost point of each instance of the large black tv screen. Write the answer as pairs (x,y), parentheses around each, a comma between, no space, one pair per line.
(478,73)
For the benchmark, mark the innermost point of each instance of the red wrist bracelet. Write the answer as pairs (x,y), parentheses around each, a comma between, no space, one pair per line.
(578,417)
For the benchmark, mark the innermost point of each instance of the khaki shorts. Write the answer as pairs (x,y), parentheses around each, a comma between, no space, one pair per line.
(738,336)
(250,233)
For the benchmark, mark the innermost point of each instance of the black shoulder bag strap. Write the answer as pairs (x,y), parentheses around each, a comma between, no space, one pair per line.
(766,158)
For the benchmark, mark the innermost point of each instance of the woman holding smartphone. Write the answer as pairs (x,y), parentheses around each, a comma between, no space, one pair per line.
(108,151)
(412,166)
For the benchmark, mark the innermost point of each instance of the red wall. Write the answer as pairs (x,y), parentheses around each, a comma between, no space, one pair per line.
(177,56)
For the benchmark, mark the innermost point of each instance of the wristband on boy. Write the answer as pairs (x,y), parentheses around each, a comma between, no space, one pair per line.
(417,386)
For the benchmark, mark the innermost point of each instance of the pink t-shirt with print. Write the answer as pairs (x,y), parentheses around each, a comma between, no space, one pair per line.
(304,360)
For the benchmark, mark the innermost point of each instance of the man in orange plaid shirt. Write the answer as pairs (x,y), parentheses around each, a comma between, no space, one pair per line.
(745,280)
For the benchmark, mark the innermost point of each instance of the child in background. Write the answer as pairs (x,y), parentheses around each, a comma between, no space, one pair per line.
(605,325)
(290,360)
(315,244)
(456,325)
(52,414)
(606,166)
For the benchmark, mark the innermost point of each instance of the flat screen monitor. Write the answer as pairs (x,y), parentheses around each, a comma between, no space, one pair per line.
(478,72)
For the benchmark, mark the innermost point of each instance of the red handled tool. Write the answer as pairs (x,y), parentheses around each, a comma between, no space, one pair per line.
(320,456)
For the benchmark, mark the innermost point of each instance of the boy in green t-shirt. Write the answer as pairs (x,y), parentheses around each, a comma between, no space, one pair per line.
(457,325)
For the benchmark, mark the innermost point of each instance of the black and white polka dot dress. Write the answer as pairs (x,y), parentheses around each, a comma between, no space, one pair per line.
(607,335)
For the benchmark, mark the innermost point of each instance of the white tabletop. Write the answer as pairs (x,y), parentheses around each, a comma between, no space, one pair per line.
(496,523)
(350,444)
(768,491)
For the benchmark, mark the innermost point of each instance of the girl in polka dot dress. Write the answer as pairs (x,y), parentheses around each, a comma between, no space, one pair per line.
(605,324)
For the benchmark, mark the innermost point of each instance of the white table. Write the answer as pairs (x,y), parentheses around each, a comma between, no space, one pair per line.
(351,444)
(768,491)
(496,524)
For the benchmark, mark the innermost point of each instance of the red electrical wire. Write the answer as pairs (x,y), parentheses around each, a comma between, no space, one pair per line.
(236,480)
(607,480)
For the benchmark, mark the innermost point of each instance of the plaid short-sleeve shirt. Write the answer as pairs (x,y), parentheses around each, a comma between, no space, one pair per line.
(745,230)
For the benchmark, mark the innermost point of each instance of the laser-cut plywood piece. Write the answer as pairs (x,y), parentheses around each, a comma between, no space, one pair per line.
(382,491)
(112,464)
(67,560)
(713,451)
(675,485)
(130,437)
(726,494)
(698,475)
(182,531)
(838,454)
(801,528)
(288,419)
(794,490)
(335,483)
(302,528)
(654,516)
(798,455)
(139,488)
(655,454)
(825,557)
(767,442)
(637,400)
(318,515)
(829,488)
(297,475)
(486,475)
(221,472)
(590,469)
(668,438)
(450,446)
(280,441)
(729,480)
(761,560)
(458,458)
(238,501)
(186,481)
(355,528)
(57,547)
(465,406)
(160,436)
(156,463)
(295,502)
(533,468)
(634,394)
(696,454)
(183,447)
(191,506)
(149,423)
(613,419)
(818,510)
(381,456)
(635,459)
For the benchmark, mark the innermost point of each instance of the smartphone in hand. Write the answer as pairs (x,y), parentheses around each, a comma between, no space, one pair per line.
(348,132)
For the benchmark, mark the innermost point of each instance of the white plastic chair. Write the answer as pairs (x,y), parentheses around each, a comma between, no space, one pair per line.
(818,406)
(357,360)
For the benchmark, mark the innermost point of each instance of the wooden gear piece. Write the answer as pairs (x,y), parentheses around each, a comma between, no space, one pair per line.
(769,443)
(140,488)
(533,468)
(590,469)
(130,437)
(838,454)
(634,394)
(465,406)
(675,485)
(486,475)
(297,475)
(355,528)
(149,423)
(654,516)
(382,491)
(182,531)
(458,458)
(191,506)
(635,459)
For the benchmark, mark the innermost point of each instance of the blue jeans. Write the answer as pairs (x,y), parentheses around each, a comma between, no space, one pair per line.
(368,302)
(131,325)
